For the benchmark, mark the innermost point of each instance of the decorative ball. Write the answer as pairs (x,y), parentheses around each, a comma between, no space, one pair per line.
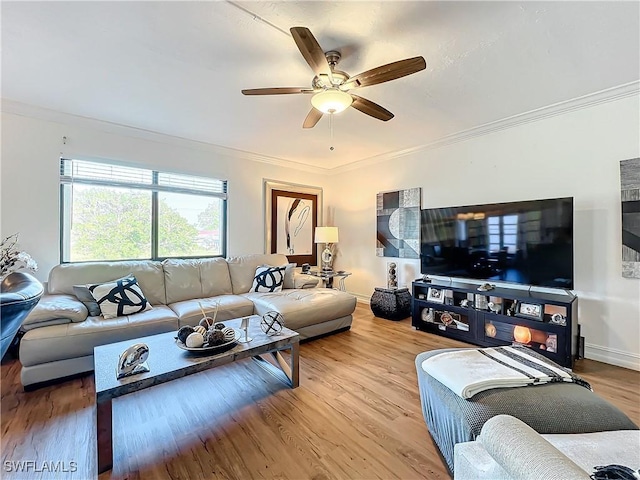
(200,329)
(184,332)
(219,325)
(195,340)
(206,322)
(272,323)
(214,337)
(229,333)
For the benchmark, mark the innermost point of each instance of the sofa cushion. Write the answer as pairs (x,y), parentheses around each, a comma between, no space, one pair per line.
(242,269)
(195,278)
(268,279)
(231,306)
(289,274)
(150,276)
(214,276)
(120,297)
(56,307)
(301,308)
(84,295)
(60,342)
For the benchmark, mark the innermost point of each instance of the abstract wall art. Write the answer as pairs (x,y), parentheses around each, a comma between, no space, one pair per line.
(291,216)
(630,196)
(398,223)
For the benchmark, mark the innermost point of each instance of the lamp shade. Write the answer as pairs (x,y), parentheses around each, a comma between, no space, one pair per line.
(326,235)
(331,101)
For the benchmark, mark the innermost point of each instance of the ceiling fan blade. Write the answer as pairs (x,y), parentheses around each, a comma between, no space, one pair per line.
(372,109)
(311,50)
(276,91)
(387,72)
(312,118)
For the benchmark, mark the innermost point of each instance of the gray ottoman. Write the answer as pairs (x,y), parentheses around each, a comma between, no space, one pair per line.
(549,408)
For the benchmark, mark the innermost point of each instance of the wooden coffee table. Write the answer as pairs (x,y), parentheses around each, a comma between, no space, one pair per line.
(169,362)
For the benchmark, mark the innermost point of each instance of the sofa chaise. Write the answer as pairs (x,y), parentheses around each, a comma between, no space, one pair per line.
(61,334)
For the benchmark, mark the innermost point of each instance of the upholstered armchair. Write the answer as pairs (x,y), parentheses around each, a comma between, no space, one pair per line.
(19,293)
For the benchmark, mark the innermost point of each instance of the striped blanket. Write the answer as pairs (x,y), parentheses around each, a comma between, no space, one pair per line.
(470,371)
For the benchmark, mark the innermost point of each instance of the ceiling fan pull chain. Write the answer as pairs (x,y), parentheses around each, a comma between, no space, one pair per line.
(331,130)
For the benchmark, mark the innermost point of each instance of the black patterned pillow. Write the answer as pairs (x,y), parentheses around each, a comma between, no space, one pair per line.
(119,297)
(268,279)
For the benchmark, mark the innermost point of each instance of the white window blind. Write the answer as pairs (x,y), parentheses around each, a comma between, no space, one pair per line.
(81,171)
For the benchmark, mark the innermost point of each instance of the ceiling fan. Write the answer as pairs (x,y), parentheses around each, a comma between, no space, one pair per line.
(330,87)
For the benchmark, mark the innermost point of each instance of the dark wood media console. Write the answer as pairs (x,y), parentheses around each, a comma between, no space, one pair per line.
(546,322)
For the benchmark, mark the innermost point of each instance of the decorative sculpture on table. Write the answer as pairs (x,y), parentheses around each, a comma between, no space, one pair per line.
(494,307)
(133,360)
(272,323)
(245,326)
(392,275)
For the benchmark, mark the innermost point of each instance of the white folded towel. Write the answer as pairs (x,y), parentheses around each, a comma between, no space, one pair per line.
(470,371)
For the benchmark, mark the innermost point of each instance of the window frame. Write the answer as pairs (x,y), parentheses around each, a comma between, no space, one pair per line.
(155,187)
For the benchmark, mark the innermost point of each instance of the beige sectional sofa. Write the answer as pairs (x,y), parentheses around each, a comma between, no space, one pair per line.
(60,334)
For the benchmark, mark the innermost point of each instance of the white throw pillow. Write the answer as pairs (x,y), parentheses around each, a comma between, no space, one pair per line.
(268,279)
(120,297)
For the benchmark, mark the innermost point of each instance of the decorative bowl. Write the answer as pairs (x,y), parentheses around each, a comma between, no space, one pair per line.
(212,349)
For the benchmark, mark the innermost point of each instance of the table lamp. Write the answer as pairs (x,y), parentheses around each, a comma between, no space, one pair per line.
(326,235)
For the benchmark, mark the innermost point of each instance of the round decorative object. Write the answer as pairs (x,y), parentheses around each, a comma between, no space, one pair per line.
(214,337)
(195,340)
(426,315)
(272,323)
(184,332)
(522,334)
(446,318)
(229,334)
(219,325)
(558,319)
(200,329)
(391,303)
(206,322)
(490,330)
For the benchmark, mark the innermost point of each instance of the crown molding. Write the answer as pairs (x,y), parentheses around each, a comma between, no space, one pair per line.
(604,96)
(26,110)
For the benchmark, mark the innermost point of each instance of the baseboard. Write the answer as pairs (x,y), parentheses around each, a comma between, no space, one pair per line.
(362,298)
(612,356)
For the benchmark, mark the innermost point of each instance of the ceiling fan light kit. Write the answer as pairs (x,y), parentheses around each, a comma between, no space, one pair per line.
(331,101)
(330,86)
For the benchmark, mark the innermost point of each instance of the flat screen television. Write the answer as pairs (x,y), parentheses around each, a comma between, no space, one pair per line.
(528,242)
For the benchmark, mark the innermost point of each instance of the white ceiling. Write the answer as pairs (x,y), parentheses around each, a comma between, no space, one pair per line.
(178,67)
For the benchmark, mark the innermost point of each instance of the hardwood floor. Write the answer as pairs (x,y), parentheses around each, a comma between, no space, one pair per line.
(356,414)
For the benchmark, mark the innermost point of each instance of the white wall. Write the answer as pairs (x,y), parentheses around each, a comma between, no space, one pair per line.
(31,149)
(574,154)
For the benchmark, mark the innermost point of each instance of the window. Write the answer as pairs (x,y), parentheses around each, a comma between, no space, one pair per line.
(503,233)
(112,212)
